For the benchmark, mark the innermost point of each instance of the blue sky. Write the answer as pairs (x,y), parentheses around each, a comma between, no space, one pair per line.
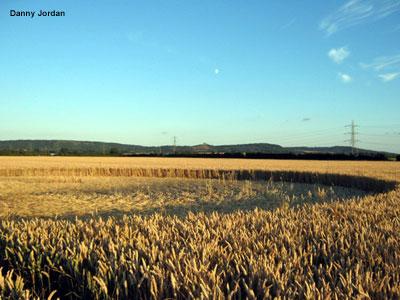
(221,72)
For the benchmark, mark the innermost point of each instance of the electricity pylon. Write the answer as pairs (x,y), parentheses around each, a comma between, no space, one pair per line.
(174,144)
(353,136)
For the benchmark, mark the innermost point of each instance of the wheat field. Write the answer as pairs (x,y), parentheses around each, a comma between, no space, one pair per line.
(385,170)
(157,228)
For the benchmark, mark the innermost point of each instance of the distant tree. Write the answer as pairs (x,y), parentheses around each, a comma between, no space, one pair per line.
(398,157)
(64,151)
(380,156)
(114,151)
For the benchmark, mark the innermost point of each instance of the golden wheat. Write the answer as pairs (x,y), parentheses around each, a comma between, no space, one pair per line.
(322,249)
(385,170)
(45,196)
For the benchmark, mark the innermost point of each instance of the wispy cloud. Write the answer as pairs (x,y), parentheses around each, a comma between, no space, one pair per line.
(384,63)
(141,39)
(338,55)
(288,24)
(388,76)
(345,78)
(306,119)
(356,12)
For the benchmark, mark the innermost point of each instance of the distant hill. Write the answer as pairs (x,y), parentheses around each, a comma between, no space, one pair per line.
(332,150)
(67,147)
(253,148)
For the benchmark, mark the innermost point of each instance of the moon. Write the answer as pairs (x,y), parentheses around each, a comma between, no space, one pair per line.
(216,71)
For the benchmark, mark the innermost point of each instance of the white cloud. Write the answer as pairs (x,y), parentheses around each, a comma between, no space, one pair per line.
(338,55)
(384,62)
(388,76)
(388,64)
(356,12)
(345,78)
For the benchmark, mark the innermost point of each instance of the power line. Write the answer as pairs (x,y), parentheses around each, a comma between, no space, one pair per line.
(329,135)
(330,143)
(386,135)
(311,137)
(304,134)
(383,126)
(382,144)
